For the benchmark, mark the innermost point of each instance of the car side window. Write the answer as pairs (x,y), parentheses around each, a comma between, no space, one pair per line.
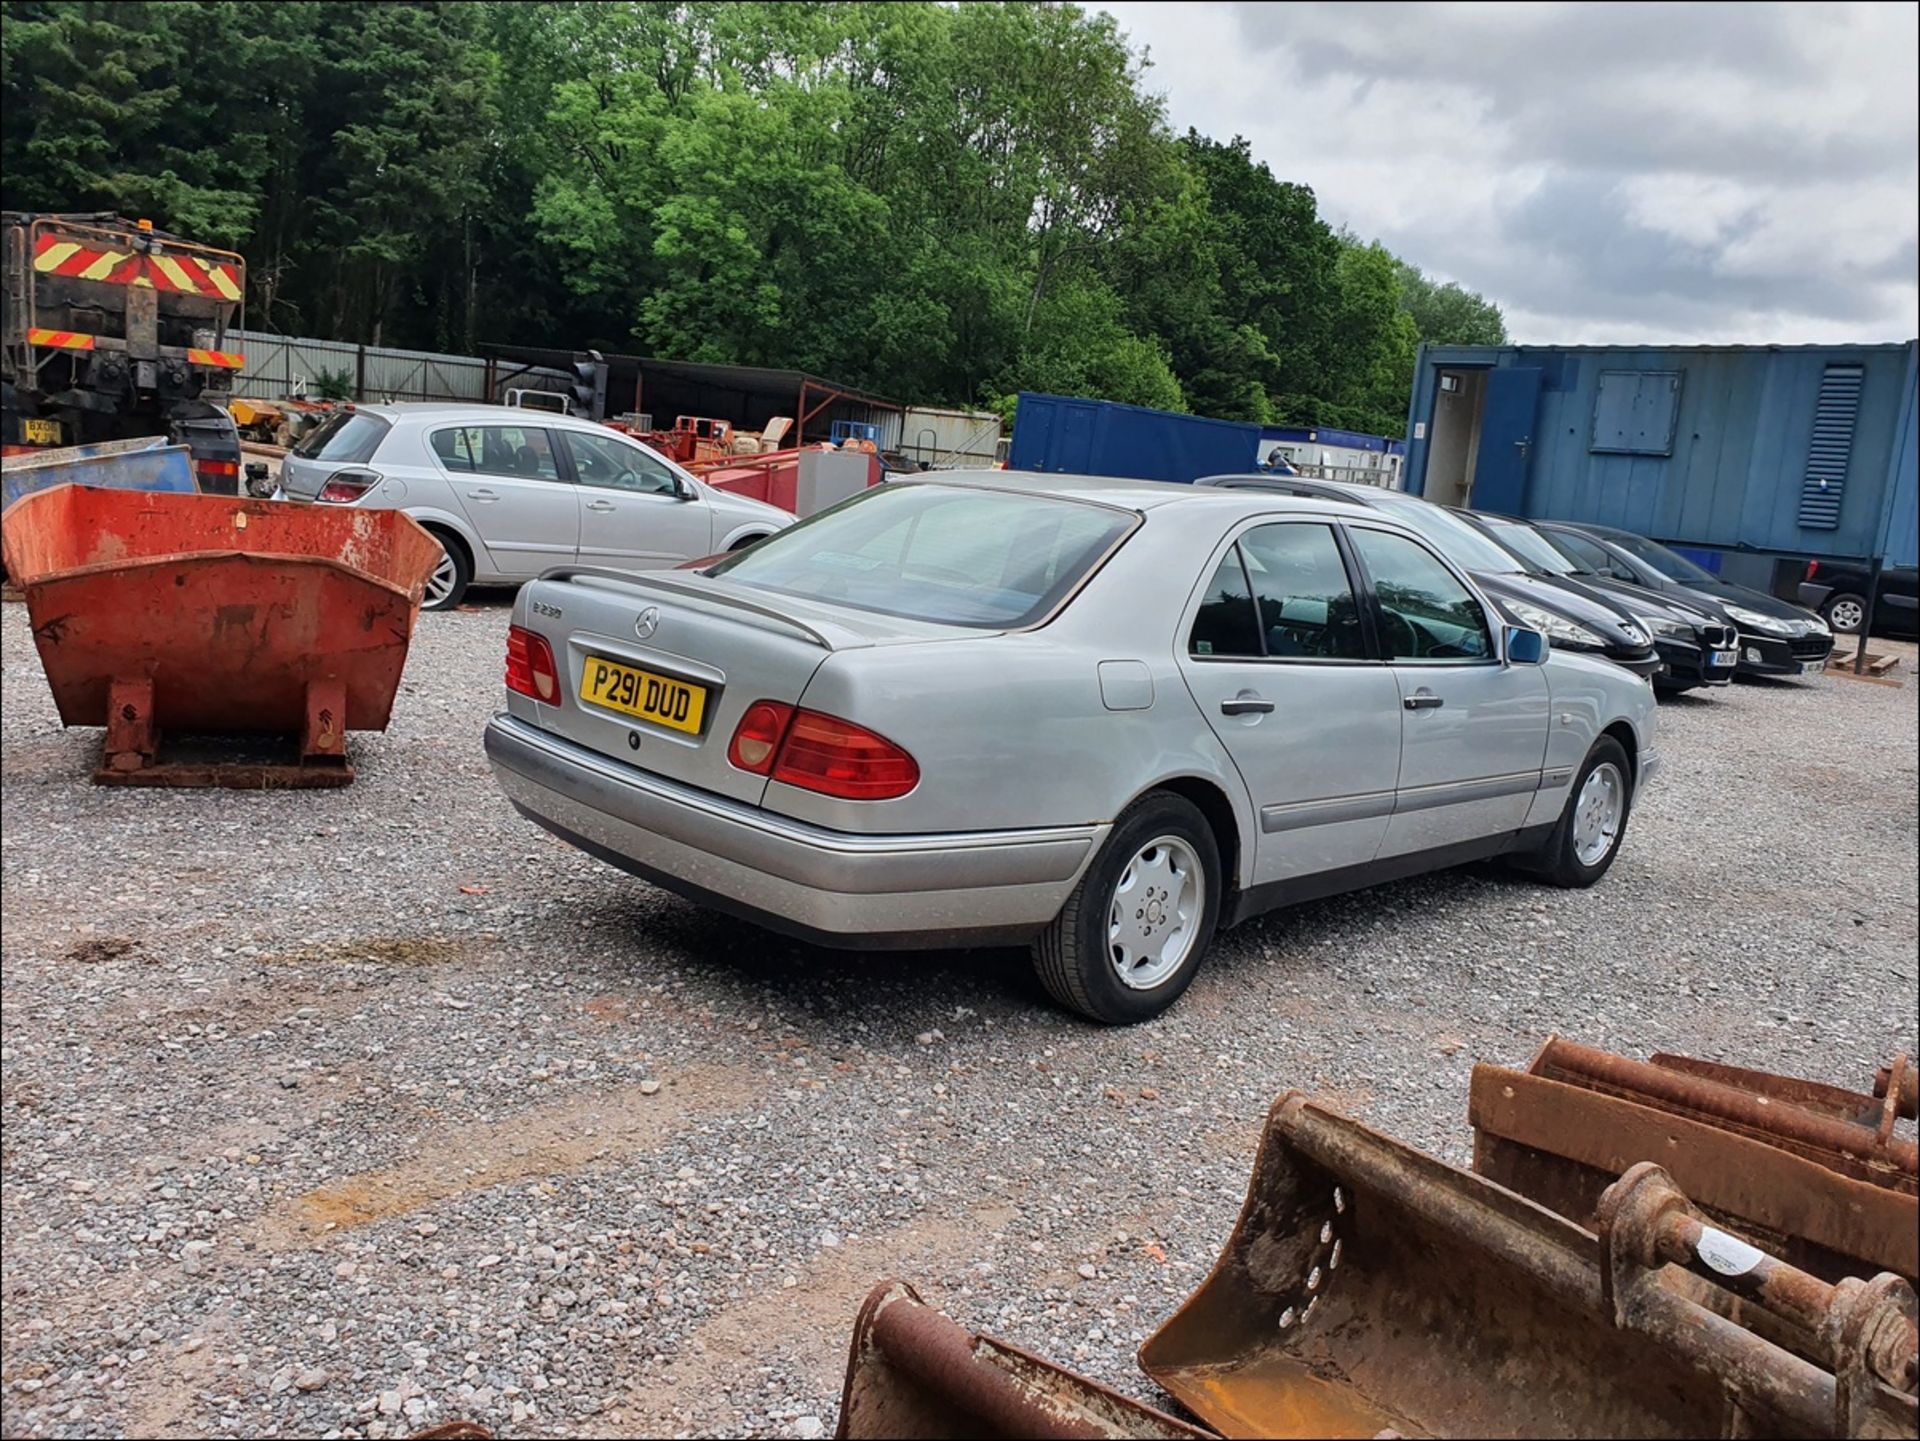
(1306,603)
(519,452)
(1426,614)
(1227,624)
(614,465)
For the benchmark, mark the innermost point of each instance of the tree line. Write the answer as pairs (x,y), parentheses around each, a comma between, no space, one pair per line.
(945,204)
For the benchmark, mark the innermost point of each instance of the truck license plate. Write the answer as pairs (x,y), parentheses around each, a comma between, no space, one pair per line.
(40,432)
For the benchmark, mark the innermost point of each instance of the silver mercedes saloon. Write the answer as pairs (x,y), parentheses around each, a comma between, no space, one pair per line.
(1098,717)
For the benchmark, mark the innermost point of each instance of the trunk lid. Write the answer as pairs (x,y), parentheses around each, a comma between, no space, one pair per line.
(734,644)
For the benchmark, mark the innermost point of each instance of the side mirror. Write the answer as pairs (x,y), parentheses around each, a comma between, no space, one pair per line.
(1525,647)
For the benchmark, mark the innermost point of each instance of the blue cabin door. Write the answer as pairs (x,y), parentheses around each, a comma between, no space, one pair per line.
(1506,440)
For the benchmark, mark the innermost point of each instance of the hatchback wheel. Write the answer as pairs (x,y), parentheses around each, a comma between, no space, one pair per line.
(1846,613)
(1588,837)
(452,573)
(1134,931)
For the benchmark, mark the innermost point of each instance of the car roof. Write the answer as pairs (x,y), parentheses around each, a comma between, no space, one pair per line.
(1273,482)
(1141,495)
(473,410)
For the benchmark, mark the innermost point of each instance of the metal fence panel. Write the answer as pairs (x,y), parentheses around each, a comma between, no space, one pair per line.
(280,365)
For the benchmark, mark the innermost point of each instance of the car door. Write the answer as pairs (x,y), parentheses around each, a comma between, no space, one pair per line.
(1474,733)
(1278,656)
(509,481)
(635,512)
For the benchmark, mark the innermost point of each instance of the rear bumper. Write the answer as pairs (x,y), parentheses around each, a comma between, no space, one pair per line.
(829,887)
(1813,595)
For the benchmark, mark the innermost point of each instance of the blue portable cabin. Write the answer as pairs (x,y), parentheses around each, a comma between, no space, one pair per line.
(1763,451)
(1070,436)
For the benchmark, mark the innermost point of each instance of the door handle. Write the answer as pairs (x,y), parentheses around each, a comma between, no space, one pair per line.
(599,505)
(482,495)
(1422,700)
(1246,703)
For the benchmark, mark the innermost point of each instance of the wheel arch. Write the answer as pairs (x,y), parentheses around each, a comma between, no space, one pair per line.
(439,521)
(1207,796)
(1623,732)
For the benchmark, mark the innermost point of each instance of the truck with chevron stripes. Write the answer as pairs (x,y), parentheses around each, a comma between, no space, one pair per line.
(114,330)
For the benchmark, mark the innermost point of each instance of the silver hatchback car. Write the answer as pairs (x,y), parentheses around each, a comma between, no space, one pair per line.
(1104,717)
(509,493)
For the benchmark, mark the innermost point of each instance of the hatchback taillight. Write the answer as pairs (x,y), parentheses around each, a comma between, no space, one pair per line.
(821,753)
(530,667)
(344,487)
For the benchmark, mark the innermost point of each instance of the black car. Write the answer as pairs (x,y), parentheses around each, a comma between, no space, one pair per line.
(1695,649)
(1776,638)
(1571,621)
(1838,593)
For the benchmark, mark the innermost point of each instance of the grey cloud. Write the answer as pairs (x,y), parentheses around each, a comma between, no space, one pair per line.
(1771,150)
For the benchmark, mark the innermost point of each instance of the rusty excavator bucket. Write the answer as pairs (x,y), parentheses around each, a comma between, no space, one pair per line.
(1369,1289)
(912,1373)
(1814,1173)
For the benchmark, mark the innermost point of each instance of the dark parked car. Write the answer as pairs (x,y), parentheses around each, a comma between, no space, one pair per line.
(1776,638)
(1697,649)
(1571,621)
(1839,594)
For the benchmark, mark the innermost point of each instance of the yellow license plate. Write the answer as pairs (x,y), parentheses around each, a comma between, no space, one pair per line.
(40,432)
(635,692)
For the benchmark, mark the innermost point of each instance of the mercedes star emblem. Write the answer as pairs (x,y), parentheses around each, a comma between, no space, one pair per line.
(648,622)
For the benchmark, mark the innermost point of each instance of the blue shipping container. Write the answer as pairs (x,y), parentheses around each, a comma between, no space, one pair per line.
(1790,451)
(1066,436)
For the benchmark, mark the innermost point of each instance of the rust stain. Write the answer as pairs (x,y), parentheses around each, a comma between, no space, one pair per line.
(554,1139)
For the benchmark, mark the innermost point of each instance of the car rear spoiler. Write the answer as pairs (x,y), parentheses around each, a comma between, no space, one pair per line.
(701,597)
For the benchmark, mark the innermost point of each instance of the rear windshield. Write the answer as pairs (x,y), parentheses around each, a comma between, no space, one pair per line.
(1531,546)
(938,553)
(1663,561)
(1452,536)
(348,436)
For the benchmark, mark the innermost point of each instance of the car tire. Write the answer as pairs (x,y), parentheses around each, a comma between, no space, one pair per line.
(452,574)
(1163,853)
(1844,612)
(744,542)
(1594,823)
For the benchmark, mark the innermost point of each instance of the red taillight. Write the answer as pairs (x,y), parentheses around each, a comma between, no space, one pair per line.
(217,469)
(838,758)
(757,737)
(1813,569)
(530,667)
(820,753)
(344,487)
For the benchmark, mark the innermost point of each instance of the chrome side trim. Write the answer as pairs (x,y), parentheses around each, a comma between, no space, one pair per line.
(1371,805)
(1297,815)
(1455,793)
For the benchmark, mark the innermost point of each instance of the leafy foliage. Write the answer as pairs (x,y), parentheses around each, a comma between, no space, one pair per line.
(942,203)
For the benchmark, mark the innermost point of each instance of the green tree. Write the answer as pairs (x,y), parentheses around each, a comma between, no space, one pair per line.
(1447,314)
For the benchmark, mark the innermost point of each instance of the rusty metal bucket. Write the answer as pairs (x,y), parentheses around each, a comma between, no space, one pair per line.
(1812,1172)
(217,615)
(912,1373)
(1370,1288)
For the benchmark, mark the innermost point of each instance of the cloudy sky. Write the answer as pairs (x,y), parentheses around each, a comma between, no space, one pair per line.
(1618,172)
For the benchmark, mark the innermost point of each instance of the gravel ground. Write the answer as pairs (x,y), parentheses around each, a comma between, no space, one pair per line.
(346,1112)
